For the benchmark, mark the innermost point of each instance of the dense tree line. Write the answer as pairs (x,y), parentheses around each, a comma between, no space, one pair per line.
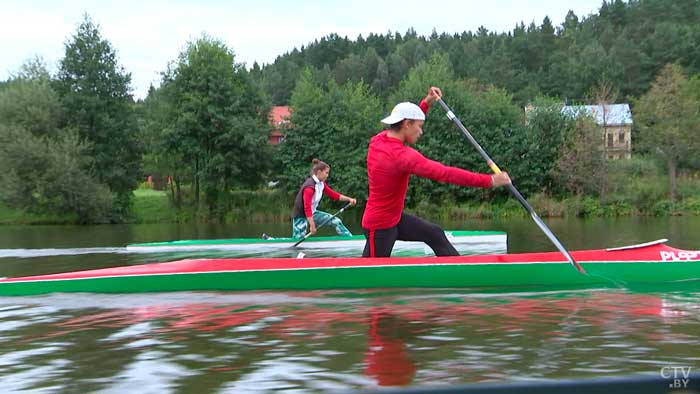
(625,43)
(77,143)
(68,142)
(336,122)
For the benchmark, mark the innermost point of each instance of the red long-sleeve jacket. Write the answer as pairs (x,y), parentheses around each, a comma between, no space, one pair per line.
(390,163)
(309,194)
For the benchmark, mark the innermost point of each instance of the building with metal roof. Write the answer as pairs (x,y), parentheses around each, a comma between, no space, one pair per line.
(616,122)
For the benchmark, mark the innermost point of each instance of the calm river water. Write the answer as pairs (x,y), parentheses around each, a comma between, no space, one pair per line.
(312,342)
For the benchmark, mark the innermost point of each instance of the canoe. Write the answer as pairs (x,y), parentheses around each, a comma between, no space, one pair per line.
(650,263)
(466,242)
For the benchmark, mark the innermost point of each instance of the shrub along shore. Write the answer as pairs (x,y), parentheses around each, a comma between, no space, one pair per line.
(641,197)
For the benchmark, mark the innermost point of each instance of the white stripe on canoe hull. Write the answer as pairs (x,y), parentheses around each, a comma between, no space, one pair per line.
(484,243)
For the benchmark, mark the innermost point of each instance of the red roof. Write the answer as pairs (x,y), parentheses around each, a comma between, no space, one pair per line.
(279,114)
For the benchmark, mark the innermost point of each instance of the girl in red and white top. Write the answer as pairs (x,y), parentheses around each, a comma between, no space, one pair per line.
(390,163)
(305,215)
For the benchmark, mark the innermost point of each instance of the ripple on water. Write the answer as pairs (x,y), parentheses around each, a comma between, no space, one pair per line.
(316,341)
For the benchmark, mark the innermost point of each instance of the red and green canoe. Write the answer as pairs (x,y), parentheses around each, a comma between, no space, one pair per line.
(646,264)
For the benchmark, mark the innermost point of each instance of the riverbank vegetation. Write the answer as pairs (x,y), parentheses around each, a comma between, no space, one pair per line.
(75,144)
(645,195)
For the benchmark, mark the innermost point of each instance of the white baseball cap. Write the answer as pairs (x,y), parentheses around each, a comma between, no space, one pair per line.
(404,111)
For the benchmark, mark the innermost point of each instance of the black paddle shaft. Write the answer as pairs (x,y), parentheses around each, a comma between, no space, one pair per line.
(328,220)
(511,188)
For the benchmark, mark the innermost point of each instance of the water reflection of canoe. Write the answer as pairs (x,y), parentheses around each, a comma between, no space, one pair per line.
(646,264)
(466,242)
(475,335)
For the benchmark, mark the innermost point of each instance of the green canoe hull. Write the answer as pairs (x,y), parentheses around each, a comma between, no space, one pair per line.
(556,275)
(646,265)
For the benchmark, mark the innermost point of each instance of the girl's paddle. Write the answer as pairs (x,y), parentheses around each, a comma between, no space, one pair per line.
(512,188)
(322,224)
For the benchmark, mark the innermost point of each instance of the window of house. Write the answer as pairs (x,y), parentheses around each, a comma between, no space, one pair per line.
(610,140)
(621,137)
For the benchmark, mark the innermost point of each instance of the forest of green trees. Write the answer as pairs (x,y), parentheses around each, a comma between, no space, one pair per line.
(626,43)
(75,142)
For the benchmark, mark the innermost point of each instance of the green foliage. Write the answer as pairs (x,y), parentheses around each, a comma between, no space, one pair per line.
(669,120)
(163,157)
(259,206)
(332,123)
(45,170)
(95,93)
(546,206)
(584,206)
(637,182)
(581,168)
(625,42)
(18,216)
(691,205)
(663,208)
(546,130)
(31,104)
(209,125)
(69,144)
(636,167)
(43,175)
(280,82)
(486,111)
(688,187)
(152,206)
(619,208)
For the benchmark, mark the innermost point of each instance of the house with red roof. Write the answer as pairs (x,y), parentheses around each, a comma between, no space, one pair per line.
(279,119)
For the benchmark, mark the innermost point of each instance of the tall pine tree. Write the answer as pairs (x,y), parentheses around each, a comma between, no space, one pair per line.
(95,92)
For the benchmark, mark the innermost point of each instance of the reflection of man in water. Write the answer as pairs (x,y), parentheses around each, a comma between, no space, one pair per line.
(386,359)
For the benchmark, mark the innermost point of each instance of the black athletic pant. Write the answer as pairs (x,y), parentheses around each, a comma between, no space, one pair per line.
(410,228)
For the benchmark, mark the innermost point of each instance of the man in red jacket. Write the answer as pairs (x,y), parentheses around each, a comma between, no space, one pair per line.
(389,165)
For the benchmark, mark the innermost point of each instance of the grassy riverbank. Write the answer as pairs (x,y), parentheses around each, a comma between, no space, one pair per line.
(265,206)
(152,206)
(149,206)
(16,216)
